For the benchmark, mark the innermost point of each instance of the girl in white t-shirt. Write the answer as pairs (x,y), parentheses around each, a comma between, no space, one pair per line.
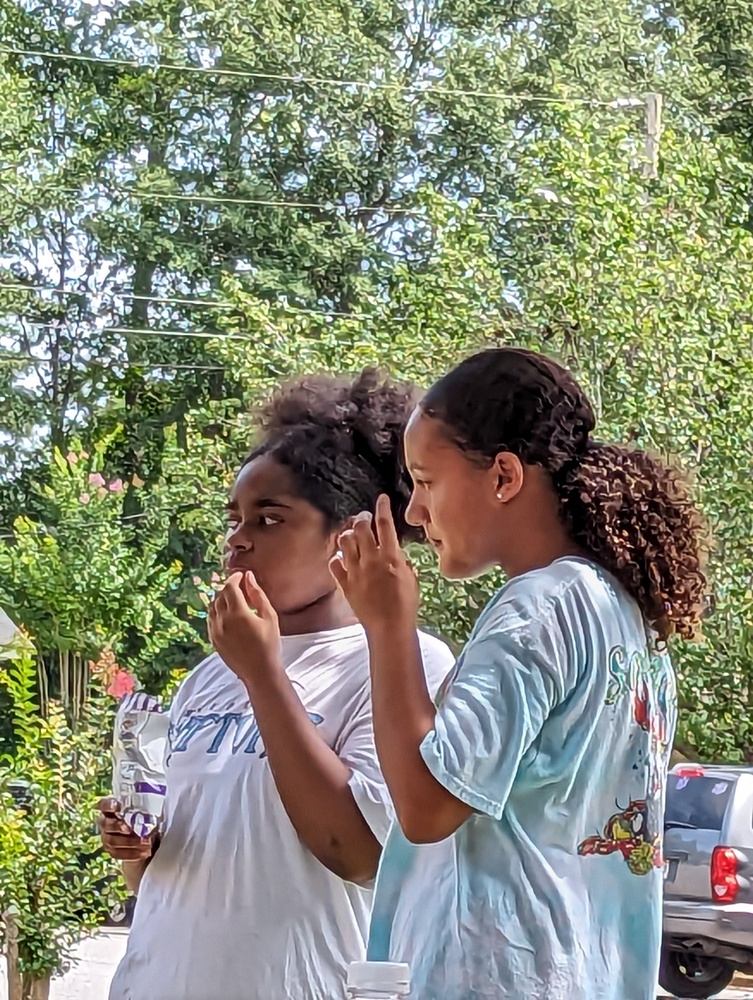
(259,885)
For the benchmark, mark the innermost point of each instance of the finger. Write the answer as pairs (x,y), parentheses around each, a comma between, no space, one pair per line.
(232,592)
(217,605)
(122,840)
(109,806)
(363,529)
(386,531)
(338,571)
(129,852)
(112,826)
(350,553)
(256,597)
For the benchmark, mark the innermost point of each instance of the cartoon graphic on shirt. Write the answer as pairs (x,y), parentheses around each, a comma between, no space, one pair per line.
(635,832)
(653,719)
(628,834)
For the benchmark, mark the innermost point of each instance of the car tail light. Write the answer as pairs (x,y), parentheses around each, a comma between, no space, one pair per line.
(689,771)
(724,883)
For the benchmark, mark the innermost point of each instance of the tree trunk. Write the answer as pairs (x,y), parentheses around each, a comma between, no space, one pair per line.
(20,985)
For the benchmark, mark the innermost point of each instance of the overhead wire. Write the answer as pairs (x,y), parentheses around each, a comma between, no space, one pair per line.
(418,88)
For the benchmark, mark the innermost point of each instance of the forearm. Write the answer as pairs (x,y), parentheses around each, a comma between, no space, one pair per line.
(404,715)
(313,783)
(133,872)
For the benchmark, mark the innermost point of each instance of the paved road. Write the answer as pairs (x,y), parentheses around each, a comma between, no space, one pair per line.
(98,957)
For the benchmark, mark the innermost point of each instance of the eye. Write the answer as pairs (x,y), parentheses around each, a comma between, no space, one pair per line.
(424,484)
(267,522)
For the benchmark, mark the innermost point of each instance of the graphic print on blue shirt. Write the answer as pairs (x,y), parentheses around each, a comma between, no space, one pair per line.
(216,727)
(635,830)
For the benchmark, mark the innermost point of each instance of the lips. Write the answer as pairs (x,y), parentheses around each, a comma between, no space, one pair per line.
(235,566)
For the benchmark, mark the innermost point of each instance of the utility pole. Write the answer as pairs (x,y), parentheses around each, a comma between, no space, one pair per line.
(653,104)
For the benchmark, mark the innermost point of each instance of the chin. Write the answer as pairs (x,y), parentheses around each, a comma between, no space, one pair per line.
(455,569)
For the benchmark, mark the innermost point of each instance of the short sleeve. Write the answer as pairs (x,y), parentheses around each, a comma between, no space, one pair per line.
(357,747)
(506,684)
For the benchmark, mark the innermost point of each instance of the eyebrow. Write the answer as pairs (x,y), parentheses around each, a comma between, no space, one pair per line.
(263,503)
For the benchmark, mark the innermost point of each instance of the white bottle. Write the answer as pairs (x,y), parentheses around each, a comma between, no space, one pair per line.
(378,981)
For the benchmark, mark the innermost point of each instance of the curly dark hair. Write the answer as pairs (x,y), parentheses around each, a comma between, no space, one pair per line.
(626,509)
(341,439)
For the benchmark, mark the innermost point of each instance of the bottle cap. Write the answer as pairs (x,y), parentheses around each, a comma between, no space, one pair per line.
(381,977)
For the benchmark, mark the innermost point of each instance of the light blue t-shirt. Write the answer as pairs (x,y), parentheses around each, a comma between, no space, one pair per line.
(555,726)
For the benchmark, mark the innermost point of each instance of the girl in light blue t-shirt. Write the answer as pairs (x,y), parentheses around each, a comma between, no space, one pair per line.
(527,863)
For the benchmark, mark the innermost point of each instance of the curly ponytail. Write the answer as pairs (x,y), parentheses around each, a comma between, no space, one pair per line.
(634,516)
(623,508)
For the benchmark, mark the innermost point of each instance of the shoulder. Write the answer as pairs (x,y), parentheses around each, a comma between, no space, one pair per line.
(561,597)
(203,676)
(435,648)
(438,660)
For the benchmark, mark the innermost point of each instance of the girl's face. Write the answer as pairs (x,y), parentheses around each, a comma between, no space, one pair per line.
(281,538)
(459,505)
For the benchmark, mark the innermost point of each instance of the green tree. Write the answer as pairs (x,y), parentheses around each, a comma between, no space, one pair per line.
(219,196)
(53,878)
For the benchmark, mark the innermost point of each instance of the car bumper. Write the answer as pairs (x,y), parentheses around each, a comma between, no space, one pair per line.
(731,924)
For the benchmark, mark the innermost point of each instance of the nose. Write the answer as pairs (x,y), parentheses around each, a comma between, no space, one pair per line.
(416,513)
(238,540)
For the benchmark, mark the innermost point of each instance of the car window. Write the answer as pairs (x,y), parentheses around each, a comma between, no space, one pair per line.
(697,802)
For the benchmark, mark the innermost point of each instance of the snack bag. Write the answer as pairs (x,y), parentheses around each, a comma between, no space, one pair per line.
(138,751)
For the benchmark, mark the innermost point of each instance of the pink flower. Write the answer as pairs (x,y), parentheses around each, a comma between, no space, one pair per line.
(121,683)
(215,579)
(71,458)
(84,498)
(116,486)
(95,479)
(197,581)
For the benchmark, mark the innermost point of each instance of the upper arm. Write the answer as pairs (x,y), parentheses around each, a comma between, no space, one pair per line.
(506,685)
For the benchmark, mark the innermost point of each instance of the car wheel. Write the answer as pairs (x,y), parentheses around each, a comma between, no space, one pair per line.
(694,977)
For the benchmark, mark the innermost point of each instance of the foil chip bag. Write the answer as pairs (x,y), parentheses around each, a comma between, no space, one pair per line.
(139,749)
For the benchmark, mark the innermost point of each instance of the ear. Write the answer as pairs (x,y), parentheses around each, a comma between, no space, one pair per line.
(509,476)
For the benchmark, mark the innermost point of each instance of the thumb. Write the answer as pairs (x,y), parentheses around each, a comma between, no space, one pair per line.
(256,597)
(338,571)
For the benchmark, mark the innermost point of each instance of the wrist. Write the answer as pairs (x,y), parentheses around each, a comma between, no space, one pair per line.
(391,631)
(264,676)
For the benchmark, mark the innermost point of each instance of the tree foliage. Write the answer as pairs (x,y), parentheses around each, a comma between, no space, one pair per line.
(199,200)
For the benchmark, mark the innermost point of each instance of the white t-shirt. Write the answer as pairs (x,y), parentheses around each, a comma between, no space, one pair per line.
(233,906)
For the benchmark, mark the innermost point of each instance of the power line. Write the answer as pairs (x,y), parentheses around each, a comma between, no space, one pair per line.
(312,206)
(115,363)
(193,302)
(130,331)
(304,80)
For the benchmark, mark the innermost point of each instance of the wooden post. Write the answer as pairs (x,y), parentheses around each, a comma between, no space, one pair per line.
(20,987)
(653,135)
(15,985)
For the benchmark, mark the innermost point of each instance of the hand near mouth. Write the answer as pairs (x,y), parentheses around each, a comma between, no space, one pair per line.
(243,627)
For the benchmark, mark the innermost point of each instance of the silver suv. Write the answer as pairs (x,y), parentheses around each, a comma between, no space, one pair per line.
(708,879)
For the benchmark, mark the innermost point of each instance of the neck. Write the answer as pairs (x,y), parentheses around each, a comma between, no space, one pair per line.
(539,559)
(328,612)
(544,543)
